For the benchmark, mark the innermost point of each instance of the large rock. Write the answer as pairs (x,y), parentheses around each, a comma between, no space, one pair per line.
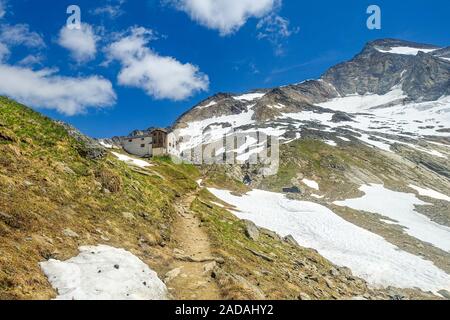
(171,275)
(70,233)
(88,147)
(290,239)
(341,117)
(251,230)
(294,189)
(422,77)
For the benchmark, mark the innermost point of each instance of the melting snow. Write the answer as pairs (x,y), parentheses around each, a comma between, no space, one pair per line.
(331,143)
(104,273)
(311,183)
(406,50)
(210,104)
(375,118)
(132,161)
(430,193)
(277,106)
(219,127)
(106,145)
(368,255)
(400,207)
(379,143)
(250,96)
(358,103)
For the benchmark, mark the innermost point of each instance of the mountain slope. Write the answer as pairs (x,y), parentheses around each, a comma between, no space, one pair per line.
(364,151)
(55,198)
(393,93)
(373,128)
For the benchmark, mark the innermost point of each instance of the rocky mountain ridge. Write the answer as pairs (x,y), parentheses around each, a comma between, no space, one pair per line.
(422,73)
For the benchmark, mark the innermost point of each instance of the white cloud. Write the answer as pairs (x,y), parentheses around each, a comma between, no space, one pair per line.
(46,89)
(276,29)
(4,52)
(20,34)
(227,16)
(160,77)
(31,60)
(112,9)
(82,43)
(17,35)
(2,8)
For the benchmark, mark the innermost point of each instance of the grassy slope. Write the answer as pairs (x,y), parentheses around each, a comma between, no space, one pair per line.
(341,170)
(47,187)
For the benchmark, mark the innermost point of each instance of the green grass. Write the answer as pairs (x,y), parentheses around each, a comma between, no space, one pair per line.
(46,186)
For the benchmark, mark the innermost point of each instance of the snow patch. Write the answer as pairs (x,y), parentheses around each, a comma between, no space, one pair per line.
(411,51)
(358,103)
(430,193)
(132,161)
(315,226)
(212,103)
(399,206)
(379,143)
(249,96)
(104,273)
(213,129)
(105,144)
(311,183)
(277,106)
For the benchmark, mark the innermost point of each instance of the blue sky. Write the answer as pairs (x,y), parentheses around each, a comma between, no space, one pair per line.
(141,63)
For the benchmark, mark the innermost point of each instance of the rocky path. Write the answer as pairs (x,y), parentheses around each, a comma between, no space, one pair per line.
(190,277)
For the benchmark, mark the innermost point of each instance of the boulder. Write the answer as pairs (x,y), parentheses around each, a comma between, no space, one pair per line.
(341,117)
(172,275)
(304,297)
(251,230)
(292,190)
(88,147)
(290,239)
(71,234)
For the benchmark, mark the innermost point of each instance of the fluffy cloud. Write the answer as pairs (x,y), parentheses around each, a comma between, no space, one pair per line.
(20,34)
(4,52)
(112,9)
(45,89)
(276,29)
(227,16)
(82,43)
(160,77)
(17,35)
